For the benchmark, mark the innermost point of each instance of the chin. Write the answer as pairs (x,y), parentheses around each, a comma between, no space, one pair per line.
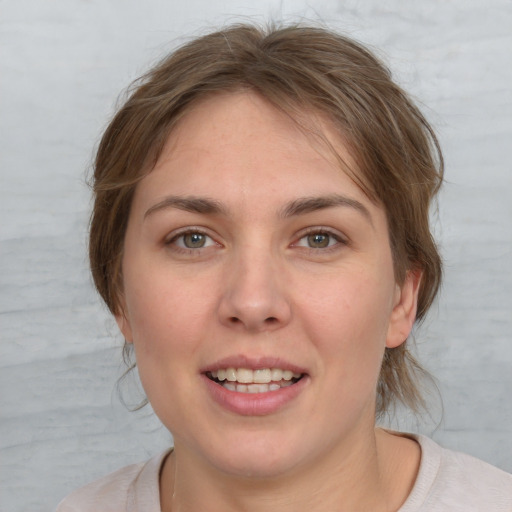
(257,456)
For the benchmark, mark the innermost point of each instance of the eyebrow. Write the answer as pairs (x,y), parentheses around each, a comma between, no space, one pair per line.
(189,204)
(300,206)
(305,205)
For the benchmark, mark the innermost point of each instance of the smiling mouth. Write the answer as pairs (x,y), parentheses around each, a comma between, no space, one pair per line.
(245,380)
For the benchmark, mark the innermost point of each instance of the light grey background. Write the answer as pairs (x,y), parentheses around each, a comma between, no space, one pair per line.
(62,65)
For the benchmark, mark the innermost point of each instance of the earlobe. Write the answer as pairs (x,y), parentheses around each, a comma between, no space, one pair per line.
(404,311)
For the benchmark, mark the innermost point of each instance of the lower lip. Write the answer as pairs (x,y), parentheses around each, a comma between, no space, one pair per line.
(254,404)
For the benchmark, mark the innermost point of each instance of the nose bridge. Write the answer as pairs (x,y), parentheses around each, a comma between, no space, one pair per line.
(253,296)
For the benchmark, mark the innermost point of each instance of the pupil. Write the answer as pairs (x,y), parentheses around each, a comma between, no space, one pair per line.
(194,240)
(318,240)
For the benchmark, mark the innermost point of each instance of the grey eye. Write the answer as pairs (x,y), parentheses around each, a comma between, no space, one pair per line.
(319,240)
(194,240)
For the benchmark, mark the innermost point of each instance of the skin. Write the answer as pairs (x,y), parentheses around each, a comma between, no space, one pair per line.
(257,288)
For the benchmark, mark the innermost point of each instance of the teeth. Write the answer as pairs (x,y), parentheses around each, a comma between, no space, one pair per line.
(231,374)
(247,376)
(244,375)
(287,375)
(262,376)
(245,380)
(277,374)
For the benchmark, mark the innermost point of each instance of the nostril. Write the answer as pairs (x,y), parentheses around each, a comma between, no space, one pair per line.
(271,320)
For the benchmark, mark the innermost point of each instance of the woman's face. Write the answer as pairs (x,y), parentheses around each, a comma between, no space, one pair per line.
(259,292)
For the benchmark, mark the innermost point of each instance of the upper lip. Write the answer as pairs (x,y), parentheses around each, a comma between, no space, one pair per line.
(252,363)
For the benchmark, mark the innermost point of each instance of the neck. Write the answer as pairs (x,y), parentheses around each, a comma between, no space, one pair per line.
(374,471)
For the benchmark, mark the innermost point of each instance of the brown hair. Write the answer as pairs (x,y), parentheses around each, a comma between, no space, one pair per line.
(297,69)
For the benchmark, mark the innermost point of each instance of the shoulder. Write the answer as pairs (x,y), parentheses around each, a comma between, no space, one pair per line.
(119,491)
(454,481)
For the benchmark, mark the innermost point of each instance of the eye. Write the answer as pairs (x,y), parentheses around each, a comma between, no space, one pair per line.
(192,240)
(319,240)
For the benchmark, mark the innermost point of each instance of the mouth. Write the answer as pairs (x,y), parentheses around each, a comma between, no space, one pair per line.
(246,380)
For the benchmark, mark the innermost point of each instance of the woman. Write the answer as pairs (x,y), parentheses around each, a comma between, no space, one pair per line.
(260,233)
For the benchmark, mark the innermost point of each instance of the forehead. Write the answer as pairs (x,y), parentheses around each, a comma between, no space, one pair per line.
(238,147)
(223,119)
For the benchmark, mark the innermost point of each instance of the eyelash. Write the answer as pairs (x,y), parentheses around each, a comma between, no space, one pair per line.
(188,231)
(336,237)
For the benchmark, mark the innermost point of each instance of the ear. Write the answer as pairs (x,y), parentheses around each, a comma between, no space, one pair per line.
(123,323)
(404,310)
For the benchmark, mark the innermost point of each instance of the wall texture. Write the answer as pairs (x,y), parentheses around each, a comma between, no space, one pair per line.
(62,65)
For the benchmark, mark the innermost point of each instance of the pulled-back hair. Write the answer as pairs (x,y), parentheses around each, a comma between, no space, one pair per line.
(298,70)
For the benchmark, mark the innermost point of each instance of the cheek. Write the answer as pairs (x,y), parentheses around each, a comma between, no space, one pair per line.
(347,318)
(166,325)
(170,315)
(355,303)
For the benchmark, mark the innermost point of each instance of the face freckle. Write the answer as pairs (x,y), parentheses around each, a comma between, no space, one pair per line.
(248,246)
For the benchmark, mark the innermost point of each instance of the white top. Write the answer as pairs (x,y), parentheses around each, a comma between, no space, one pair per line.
(447,481)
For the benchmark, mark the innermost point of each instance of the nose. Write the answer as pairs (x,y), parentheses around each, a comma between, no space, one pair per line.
(254,297)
